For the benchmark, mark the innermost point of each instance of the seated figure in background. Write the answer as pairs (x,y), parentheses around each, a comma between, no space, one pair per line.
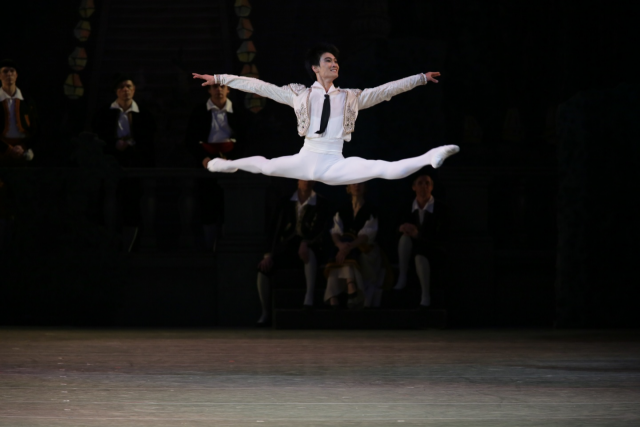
(358,263)
(216,129)
(20,127)
(19,131)
(423,230)
(128,132)
(298,230)
(127,129)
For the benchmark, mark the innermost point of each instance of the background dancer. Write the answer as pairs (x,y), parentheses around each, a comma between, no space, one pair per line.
(326,118)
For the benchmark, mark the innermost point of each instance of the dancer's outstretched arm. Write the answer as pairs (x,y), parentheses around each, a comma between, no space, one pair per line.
(283,95)
(370,97)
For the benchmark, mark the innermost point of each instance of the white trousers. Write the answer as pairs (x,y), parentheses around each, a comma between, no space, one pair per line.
(332,168)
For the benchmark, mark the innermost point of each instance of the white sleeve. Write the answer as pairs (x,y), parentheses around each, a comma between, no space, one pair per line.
(370,97)
(283,95)
(370,229)
(337,225)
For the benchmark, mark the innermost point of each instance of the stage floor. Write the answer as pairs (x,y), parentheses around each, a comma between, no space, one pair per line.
(54,377)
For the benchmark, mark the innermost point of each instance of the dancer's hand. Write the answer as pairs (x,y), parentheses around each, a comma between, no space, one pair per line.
(208,79)
(303,252)
(430,76)
(205,162)
(266,264)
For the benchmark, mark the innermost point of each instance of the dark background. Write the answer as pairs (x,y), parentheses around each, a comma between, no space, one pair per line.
(541,96)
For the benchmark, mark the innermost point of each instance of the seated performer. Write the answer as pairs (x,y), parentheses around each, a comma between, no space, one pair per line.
(358,260)
(423,231)
(326,118)
(19,132)
(127,130)
(298,232)
(20,124)
(214,127)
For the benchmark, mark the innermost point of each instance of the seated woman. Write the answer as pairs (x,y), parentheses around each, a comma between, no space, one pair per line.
(358,260)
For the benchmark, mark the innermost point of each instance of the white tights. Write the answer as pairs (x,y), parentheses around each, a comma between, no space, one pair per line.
(333,169)
(423,269)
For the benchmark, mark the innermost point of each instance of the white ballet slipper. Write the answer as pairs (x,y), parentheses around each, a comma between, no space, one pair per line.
(441,153)
(220,165)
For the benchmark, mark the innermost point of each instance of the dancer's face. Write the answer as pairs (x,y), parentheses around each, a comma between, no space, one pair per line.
(423,186)
(328,68)
(125,91)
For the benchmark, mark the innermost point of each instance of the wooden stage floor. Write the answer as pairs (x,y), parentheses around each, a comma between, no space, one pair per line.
(55,377)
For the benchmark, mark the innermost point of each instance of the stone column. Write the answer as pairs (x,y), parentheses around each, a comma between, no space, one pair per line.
(241,248)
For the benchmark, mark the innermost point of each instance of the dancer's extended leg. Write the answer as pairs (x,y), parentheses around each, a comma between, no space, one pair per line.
(353,170)
(287,166)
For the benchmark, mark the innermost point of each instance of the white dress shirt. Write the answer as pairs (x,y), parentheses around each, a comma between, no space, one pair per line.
(124,127)
(13,131)
(335,127)
(220,129)
(428,207)
(311,201)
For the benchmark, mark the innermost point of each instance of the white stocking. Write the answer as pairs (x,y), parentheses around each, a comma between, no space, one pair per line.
(264,291)
(423,268)
(353,170)
(405,246)
(310,270)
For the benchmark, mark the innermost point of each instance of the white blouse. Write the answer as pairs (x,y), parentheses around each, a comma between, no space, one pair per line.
(335,128)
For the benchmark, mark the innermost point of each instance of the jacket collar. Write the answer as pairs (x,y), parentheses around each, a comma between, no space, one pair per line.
(311,201)
(317,85)
(4,95)
(228,106)
(428,207)
(134,107)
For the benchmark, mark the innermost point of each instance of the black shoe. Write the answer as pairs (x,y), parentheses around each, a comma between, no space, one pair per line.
(306,307)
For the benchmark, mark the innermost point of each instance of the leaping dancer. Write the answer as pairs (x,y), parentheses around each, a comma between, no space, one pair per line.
(326,118)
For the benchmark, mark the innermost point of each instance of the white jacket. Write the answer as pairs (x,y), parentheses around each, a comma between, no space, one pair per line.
(297,96)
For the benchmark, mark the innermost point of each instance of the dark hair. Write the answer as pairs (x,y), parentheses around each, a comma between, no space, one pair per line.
(8,63)
(315,53)
(119,78)
(425,171)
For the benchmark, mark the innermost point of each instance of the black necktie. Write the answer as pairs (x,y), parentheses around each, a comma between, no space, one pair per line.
(324,118)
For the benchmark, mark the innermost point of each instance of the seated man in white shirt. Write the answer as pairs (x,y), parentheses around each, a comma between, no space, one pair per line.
(19,129)
(298,228)
(423,231)
(216,128)
(127,129)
